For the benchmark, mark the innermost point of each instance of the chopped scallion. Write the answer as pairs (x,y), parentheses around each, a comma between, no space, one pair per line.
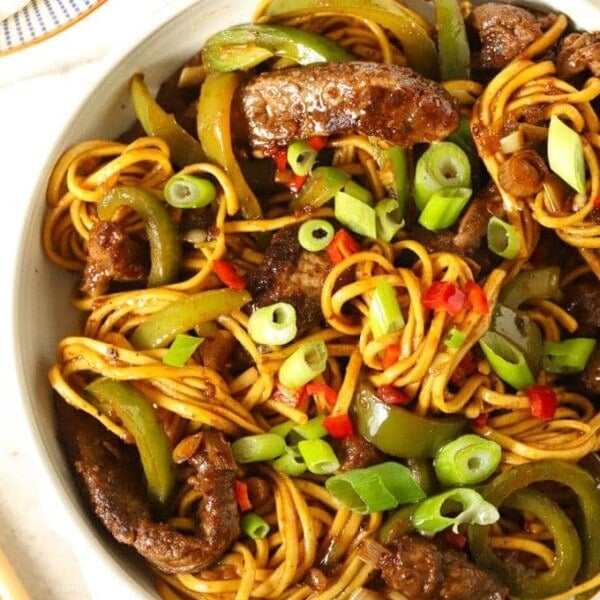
(376,488)
(301,157)
(567,356)
(315,234)
(431,516)
(467,460)
(258,447)
(290,462)
(321,186)
(181,349)
(502,238)
(442,165)
(303,365)
(274,324)
(565,154)
(389,220)
(355,214)
(254,526)
(358,191)
(318,456)
(313,429)
(454,339)
(444,207)
(385,315)
(189,191)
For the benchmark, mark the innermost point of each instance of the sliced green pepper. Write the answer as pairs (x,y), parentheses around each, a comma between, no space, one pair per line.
(245,46)
(155,121)
(135,411)
(165,245)
(160,328)
(214,132)
(453,45)
(393,163)
(537,284)
(399,432)
(322,185)
(502,489)
(418,46)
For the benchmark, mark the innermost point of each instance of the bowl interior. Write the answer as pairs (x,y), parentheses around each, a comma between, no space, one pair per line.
(42,314)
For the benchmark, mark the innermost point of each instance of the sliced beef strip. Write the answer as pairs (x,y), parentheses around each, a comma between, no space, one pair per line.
(503,31)
(384,100)
(110,476)
(112,256)
(355,452)
(421,569)
(290,274)
(579,53)
(588,381)
(581,299)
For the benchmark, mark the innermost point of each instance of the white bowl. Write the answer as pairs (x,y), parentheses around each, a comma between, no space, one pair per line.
(156,49)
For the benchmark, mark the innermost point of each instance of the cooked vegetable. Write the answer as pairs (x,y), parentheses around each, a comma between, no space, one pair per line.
(274,324)
(565,154)
(189,191)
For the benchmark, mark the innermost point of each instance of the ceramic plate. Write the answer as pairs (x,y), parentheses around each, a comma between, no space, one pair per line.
(41,19)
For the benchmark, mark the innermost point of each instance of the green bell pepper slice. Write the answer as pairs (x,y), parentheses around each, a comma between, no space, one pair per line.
(161,328)
(536,284)
(404,24)
(137,415)
(185,150)
(245,46)
(165,245)
(214,133)
(398,431)
(502,489)
(453,45)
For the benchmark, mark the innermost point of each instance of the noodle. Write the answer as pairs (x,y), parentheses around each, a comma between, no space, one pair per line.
(231,384)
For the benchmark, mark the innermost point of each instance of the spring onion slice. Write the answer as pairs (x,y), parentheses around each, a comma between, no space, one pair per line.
(389,219)
(188,191)
(502,238)
(283,429)
(301,157)
(442,165)
(358,191)
(467,460)
(444,207)
(506,360)
(567,356)
(290,462)
(303,365)
(274,324)
(313,429)
(376,488)
(258,447)
(321,186)
(181,349)
(565,154)
(454,339)
(385,315)
(254,526)
(318,456)
(355,214)
(315,234)
(430,518)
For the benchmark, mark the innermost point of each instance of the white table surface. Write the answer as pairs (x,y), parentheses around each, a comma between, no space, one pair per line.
(39,87)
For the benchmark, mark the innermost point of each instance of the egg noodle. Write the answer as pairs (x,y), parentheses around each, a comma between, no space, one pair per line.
(306,520)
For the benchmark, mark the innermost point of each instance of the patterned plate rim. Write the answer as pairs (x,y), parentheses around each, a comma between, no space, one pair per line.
(51,32)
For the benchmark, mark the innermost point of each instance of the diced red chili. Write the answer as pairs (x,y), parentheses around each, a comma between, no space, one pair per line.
(322,388)
(443,295)
(481,420)
(476,298)
(466,367)
(317,142)
(597,202)
(390,356)
(543,401)
(339,426)
(458,541)
(296,182)
(285,395)
(228,275)
(241,495)
(341,246)
(392,395)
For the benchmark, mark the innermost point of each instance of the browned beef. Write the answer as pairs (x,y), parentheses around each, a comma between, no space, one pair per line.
(112,256)
(504,31)
(384,100)
(579,53)
(290,274)
(589,380)
(421,569)
(111,478)
(581,300)
(356,452)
